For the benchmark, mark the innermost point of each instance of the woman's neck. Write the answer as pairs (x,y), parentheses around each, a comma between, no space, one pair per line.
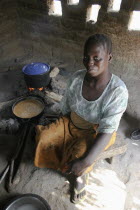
(99,81)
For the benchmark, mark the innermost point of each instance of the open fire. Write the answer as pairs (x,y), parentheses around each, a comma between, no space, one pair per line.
(32,89)
(51,93)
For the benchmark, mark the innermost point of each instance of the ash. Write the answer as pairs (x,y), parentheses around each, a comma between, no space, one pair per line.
(9,126)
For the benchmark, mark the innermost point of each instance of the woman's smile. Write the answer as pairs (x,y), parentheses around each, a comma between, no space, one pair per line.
(93,69)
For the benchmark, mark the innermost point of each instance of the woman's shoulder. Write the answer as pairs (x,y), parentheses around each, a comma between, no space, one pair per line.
(76,79)
(116,82)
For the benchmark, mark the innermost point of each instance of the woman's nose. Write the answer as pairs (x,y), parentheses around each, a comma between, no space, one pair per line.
(91,61)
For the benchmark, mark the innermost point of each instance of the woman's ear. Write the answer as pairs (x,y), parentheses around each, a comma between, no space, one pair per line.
(110,57)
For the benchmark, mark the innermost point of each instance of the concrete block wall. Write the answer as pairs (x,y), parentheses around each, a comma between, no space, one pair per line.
(27,29)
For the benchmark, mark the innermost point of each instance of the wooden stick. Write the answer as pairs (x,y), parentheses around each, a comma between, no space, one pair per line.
(4,173)
(54,96)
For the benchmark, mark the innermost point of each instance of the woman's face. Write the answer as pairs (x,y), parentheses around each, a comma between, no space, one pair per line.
(96,60)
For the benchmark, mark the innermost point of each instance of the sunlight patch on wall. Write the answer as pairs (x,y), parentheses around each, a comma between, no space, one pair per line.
(56,8)
(92,13)
(73,2)
(134,22)
(114,5)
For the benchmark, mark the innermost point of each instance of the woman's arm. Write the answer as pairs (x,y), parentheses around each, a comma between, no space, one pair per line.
(98,146)
(80,165)
(109,122)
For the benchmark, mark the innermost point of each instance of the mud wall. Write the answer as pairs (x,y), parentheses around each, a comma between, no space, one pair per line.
(29,34)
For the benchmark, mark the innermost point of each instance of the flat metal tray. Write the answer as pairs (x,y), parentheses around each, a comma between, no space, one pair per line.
(28,202)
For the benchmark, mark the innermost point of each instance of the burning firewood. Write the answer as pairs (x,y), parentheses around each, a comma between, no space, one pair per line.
(56,97)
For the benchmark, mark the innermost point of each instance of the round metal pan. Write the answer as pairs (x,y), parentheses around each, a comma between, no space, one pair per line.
(34,98)
(28,202)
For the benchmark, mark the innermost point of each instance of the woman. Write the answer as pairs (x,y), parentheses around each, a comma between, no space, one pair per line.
(92,107)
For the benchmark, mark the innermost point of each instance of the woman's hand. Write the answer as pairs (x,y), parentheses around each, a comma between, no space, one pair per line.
(76,167)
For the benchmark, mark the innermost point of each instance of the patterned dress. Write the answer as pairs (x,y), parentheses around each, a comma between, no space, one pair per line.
(106,111)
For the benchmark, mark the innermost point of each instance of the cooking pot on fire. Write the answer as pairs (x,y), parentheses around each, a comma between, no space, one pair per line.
(37,74)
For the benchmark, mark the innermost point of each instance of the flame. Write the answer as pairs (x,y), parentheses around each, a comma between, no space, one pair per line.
(32,89)
(40,88)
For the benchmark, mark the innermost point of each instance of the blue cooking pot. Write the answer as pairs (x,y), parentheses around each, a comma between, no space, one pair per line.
(36,75)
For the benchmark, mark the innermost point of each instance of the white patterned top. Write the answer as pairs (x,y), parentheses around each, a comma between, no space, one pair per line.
(106,111)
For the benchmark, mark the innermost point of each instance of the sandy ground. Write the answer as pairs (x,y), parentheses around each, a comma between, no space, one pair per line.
(111,186)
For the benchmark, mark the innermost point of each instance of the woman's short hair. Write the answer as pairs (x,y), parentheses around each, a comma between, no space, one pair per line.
(99,39)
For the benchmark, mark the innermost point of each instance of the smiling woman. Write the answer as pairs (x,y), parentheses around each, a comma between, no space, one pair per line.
(93,104)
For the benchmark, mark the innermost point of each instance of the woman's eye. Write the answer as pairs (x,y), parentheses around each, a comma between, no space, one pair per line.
(97,59)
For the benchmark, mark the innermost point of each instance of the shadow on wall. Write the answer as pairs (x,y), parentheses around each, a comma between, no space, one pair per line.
(132,123)
(12,85)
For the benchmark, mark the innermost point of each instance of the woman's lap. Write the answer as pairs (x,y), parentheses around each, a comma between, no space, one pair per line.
(60,143)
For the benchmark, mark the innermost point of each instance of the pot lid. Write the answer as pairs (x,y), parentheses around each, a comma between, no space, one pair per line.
(36,68)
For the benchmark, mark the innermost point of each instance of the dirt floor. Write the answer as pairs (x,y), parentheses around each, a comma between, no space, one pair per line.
(111,186)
